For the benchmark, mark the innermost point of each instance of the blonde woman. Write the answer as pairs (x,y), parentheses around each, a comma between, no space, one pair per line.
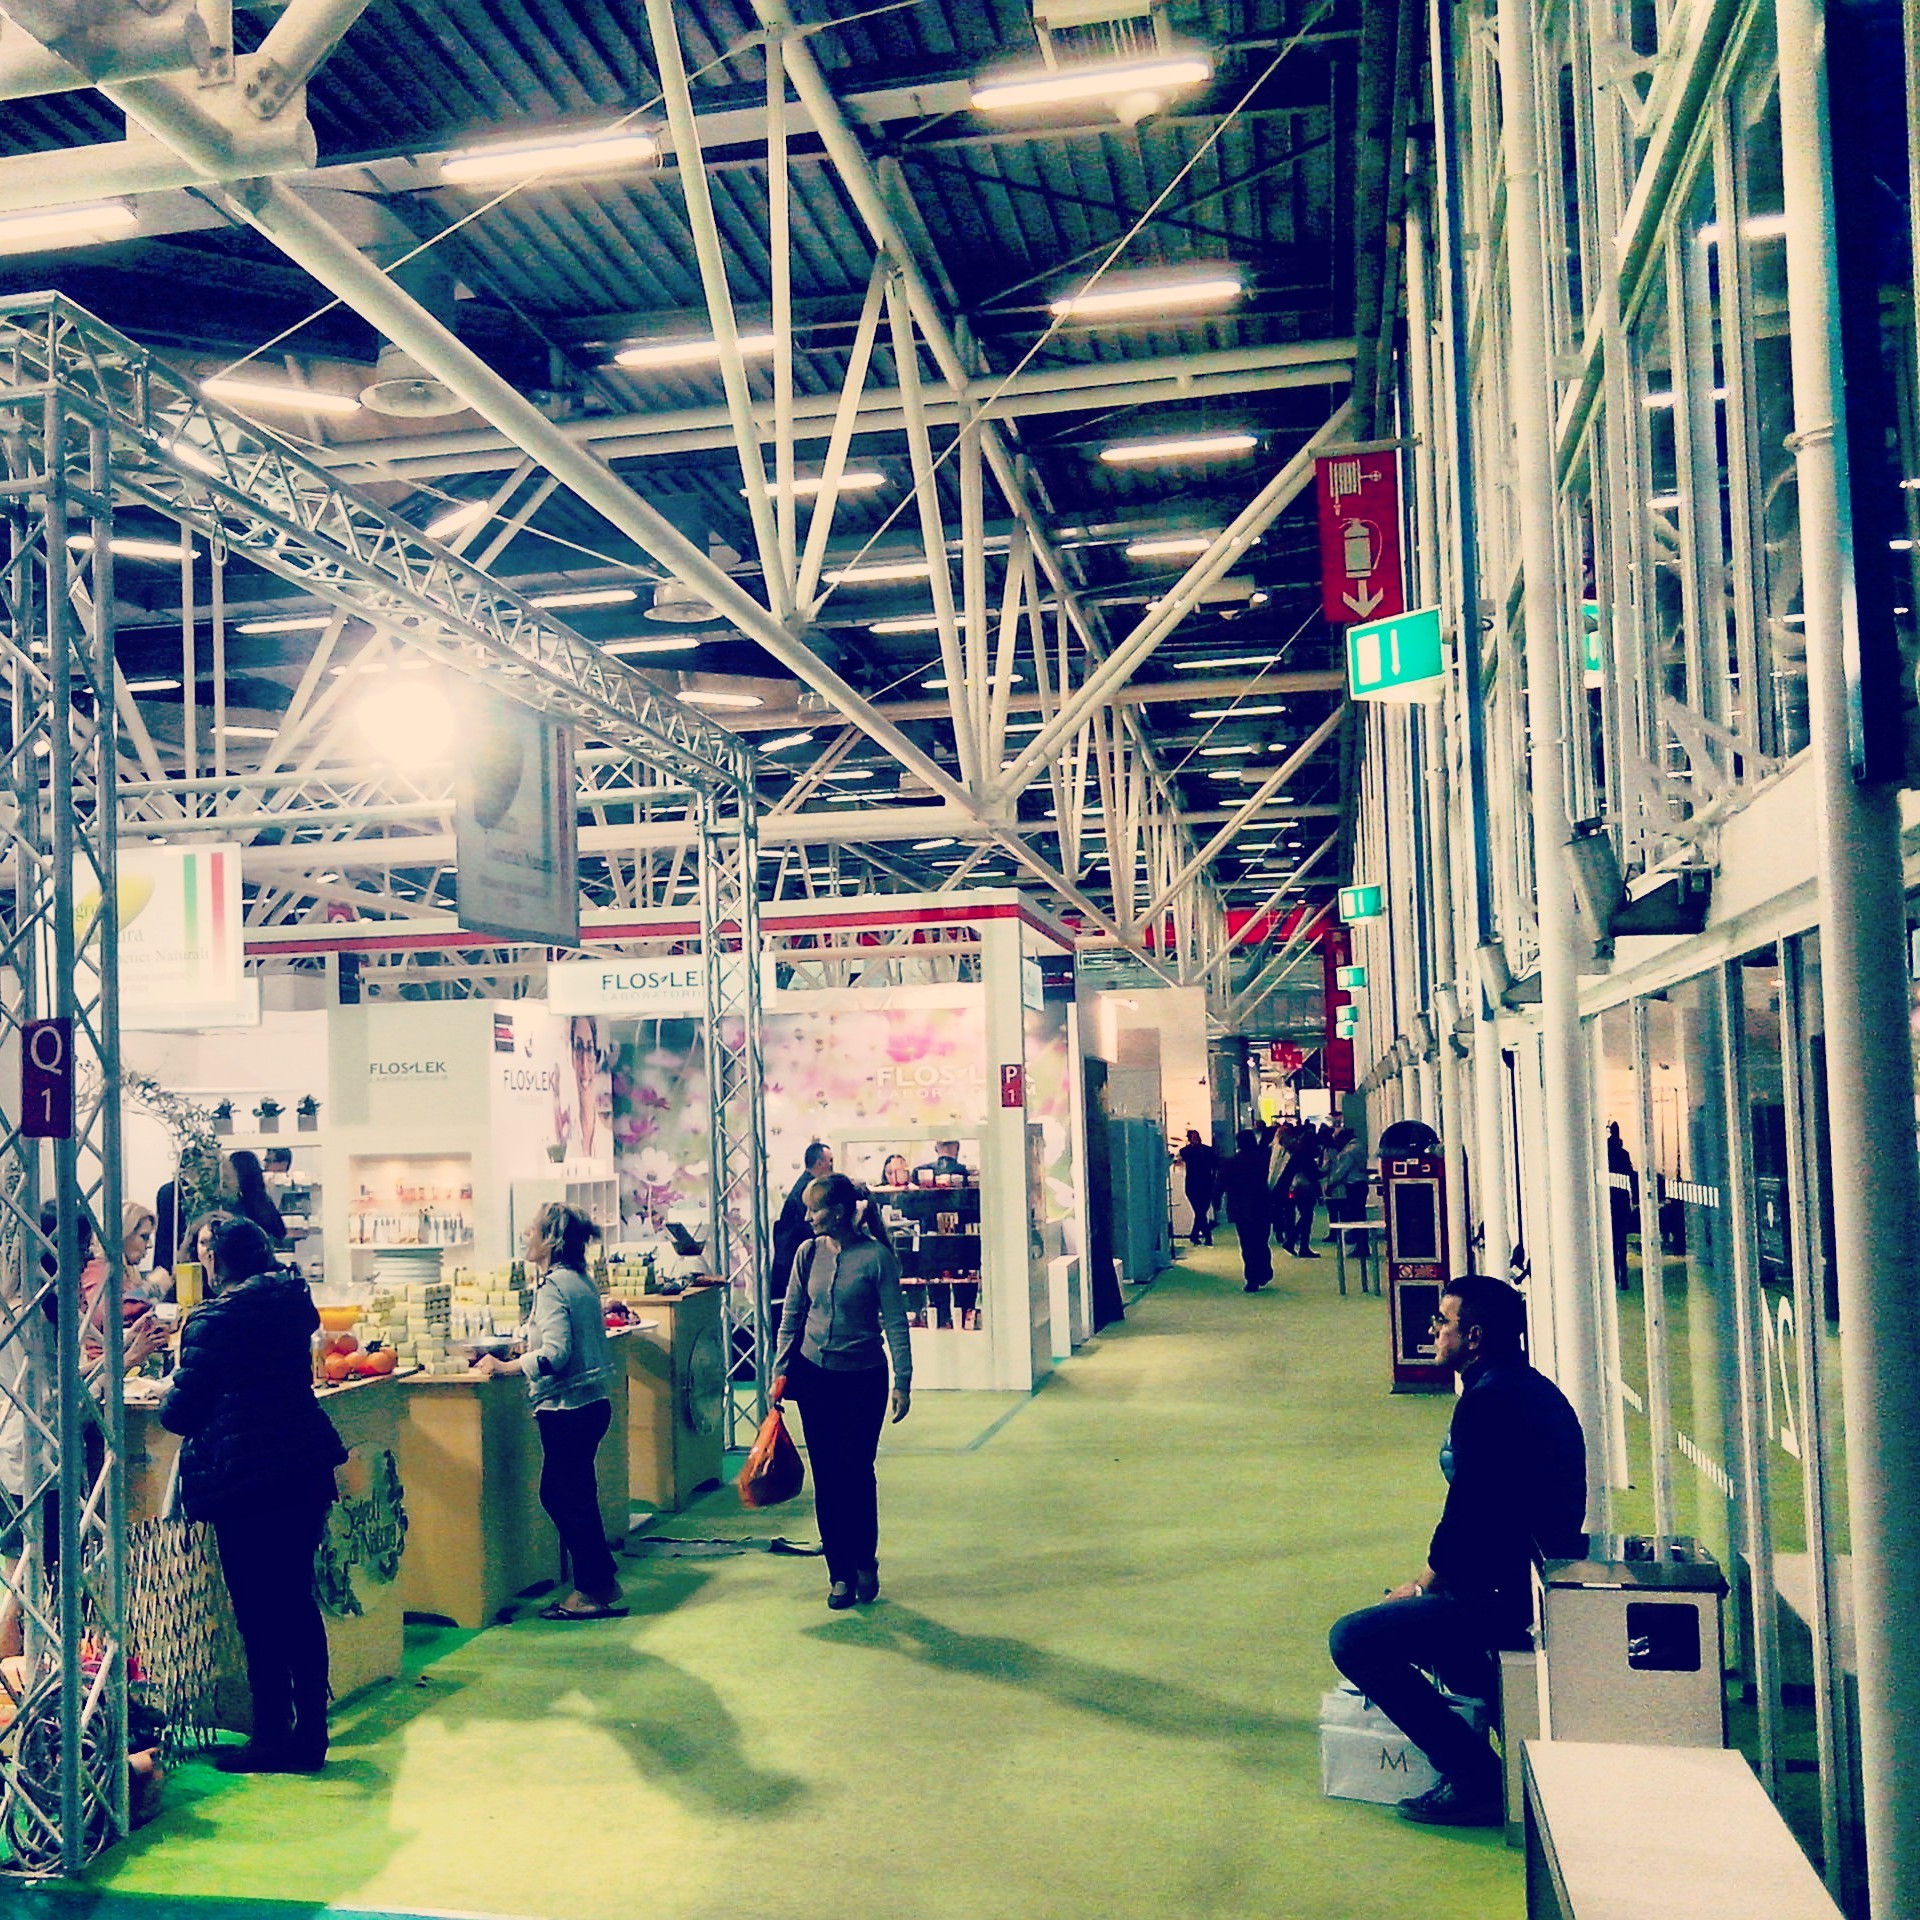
(568,1368)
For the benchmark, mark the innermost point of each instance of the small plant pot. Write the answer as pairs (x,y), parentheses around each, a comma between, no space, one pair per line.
(556,1154)
(307,1122)
(269,1122)
(223,1124)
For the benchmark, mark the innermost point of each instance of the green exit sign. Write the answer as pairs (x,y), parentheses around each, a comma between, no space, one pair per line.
(1349,979)
(1398,659)
(1361,903)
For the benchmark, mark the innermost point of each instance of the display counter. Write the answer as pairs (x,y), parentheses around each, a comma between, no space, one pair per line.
(181,1621)
(470,1460)
(676,1385)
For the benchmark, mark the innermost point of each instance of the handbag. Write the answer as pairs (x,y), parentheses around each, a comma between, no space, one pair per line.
(774,1472)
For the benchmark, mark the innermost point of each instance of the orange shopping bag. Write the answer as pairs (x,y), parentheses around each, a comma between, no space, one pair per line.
(774,1472)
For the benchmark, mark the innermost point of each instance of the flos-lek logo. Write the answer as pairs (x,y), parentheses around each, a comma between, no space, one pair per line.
(928,1073)
(530,1079)
(406,1069)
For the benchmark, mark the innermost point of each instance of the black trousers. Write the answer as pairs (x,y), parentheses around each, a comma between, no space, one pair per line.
(569,1439)
(267,1547)
(1305,1200)
(1256,1256)
(841,1415)
(1201,1200)
(1388,1652)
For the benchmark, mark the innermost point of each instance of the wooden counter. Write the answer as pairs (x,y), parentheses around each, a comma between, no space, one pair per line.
(470,1459)
(676,1389)
(182,1623)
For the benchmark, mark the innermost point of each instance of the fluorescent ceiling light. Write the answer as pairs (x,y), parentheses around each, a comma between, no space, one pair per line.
(1101,80)
(914,623)
(406,663)
(603,152)
(277,393)
(1148,299)
(290,623)
(781,742)
(456,519)
(940,685)
(652,643)
(1231,660)
(872,573)
(1232,713)
(852,773)
(250,733)
(1215,753)
(133,549)
(714,697)
(1026,726)
(159,684)
(1901,546)
(586,597)
(92,220)
(1664,502)
(1169,546)
(691,352)
(1197,446)
(854,480)
(932,846)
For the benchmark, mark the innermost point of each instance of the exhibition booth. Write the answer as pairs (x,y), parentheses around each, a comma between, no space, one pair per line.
(932,1042)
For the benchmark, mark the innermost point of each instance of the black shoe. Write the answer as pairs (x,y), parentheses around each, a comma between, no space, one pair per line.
(839,1596)
(1306,1253)
(1254,1286)
(1452,1805)
(269,1757)
(866,1586)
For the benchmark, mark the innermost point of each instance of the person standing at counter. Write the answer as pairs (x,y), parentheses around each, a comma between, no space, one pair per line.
(251,1200)
(257,1460)
(844,1316)
(569,1372)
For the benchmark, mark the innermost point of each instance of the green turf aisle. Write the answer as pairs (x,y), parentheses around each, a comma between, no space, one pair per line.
(1091,1688)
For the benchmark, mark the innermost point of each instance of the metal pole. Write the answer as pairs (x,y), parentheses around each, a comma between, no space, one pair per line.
(1875,1175)
(1570,1235)
(1489,1159)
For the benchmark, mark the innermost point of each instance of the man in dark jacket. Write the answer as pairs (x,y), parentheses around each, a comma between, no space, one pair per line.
(1246,1185)
(1201,1167)
(257,1460)
(790,1230)
(1515,1465)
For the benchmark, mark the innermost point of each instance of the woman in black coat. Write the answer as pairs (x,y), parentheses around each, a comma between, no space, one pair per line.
(251,1200)
(257,1462)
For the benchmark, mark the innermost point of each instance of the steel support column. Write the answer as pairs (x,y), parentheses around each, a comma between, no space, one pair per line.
(1875,1178)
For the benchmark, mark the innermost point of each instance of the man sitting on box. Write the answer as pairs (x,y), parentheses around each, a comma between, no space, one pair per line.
(1516,1470)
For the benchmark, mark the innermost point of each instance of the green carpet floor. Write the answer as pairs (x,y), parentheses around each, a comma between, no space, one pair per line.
(1091,1688)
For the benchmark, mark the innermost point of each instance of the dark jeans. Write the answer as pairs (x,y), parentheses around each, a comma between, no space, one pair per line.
(1388,1652)
(1202,1205)
(1280,1216)
(841,1415)
(569,1438)
(267,1550)
(1256,1257)
(1304,1200)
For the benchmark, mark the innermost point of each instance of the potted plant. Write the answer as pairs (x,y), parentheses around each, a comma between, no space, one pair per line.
(223,1117)
(307,1114)
(268,1113)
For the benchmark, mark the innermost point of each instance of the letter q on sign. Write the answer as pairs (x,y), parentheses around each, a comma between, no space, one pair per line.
(46,1080)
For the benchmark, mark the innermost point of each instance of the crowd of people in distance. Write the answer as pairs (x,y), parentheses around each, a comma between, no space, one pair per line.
(1273,1185)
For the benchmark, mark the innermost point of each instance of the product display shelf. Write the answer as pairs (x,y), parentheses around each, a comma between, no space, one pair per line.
(940,1265)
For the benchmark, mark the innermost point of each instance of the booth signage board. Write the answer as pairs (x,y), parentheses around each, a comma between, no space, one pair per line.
(515,839)
(1361,903)
(1414,1188)
(627,986)
(1403,658)
(1359,536)
(182,964)
(46,1080)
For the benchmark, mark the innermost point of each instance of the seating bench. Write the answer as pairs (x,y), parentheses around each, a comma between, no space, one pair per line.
(1651,1833)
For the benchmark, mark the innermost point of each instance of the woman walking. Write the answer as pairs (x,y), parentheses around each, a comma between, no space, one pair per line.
(569,1370)
(256,1459)
(844,1315)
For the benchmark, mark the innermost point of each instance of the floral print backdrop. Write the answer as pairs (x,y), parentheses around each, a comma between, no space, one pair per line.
(838,1071)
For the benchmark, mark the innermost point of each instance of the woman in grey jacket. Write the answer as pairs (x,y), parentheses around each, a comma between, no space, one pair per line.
(844,1315)
(569,1370)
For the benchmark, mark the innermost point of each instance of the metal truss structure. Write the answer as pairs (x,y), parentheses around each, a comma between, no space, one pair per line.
(89,422)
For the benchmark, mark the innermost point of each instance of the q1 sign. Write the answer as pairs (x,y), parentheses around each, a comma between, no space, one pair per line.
(46,1080)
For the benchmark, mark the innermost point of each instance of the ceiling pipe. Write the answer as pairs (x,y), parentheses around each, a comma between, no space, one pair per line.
(1135,383)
